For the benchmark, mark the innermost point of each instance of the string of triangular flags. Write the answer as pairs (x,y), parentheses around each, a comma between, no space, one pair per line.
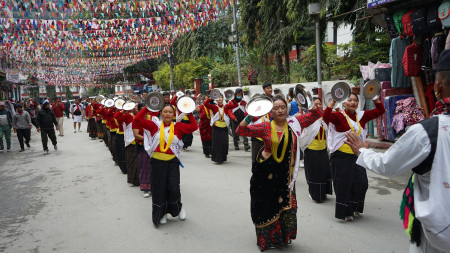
(65,42)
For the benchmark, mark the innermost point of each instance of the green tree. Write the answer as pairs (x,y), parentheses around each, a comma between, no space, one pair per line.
(162,76)
(51,91)
(208,41)
(183,73)
(69,94)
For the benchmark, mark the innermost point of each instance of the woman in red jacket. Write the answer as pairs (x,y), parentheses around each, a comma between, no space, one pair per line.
(349,179)
(205,129)
(220,123)
(163,143)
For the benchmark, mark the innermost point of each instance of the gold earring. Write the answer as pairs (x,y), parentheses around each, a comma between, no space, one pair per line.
(437,94)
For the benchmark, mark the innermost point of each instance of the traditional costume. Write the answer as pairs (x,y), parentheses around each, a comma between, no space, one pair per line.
(272,186)
(424,149)
(105,129)
(111,123)
(162,143)
(77,111)
(257,143)
(205,129)
(92,124)
(317,162)
(237,113)
(220,123)
(144,165)
(126,120)
(349,179)
(98,120)
(119,144)
(181,117)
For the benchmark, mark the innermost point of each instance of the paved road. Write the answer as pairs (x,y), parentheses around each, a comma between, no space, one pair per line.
(76,200)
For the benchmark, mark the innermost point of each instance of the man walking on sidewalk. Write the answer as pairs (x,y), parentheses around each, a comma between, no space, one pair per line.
(5,127)
(58,109)
(22,125)
(45,121)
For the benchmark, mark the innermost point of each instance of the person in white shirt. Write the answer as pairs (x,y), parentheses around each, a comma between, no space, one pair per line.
(77,115)
(425,150)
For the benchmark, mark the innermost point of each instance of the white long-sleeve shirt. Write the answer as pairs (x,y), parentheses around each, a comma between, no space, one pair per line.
(407,153)
(431,189)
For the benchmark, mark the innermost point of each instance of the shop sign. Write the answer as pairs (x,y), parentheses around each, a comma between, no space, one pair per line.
(12,75)
(375,3)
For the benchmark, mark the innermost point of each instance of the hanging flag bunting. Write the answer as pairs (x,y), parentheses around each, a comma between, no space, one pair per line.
(76,42)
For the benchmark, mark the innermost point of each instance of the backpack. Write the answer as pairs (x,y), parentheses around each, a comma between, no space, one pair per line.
(407,23)
(412,60)
(398,21)
(433,21)
(391,26)
(419,21)
(444,14)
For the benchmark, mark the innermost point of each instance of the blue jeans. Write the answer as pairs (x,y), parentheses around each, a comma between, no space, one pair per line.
(5,130)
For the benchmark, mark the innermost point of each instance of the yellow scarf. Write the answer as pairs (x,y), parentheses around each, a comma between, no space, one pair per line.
(345,147)
(276,141)
(207,112)
(162,137)
(351,125)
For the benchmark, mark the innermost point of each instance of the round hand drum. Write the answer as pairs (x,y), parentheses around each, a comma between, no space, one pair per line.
(186,104)
(109,103)
(372,89)
(259,106)
(154,101)
(119,103)
(128,106)
(340,92)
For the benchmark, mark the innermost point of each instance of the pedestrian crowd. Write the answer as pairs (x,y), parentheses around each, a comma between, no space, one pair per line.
(146,145)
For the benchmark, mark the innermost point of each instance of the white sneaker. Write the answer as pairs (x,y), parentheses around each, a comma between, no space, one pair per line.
(163,219)
(146,194)
(45,152)
(349,218)
(56,147)
(302,165)
(358,214)
(182,214)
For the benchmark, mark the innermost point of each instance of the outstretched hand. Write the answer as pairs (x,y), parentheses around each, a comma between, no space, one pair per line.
(355,142)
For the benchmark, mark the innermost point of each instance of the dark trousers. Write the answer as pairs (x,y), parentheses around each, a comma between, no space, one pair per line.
(119,151)
(234,126)
(23,133)
(166,195)
(51,134)
(206,147)
(350,184)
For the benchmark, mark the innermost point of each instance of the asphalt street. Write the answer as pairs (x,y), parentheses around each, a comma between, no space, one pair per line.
(76,200)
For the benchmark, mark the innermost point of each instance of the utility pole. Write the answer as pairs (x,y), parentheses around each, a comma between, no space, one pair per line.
(236,34)
(172,89)
(314,10)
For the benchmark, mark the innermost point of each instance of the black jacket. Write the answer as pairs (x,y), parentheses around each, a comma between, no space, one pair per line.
(45,119)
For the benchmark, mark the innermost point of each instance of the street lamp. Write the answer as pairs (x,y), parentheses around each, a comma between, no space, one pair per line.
(234,30)
(314,11)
